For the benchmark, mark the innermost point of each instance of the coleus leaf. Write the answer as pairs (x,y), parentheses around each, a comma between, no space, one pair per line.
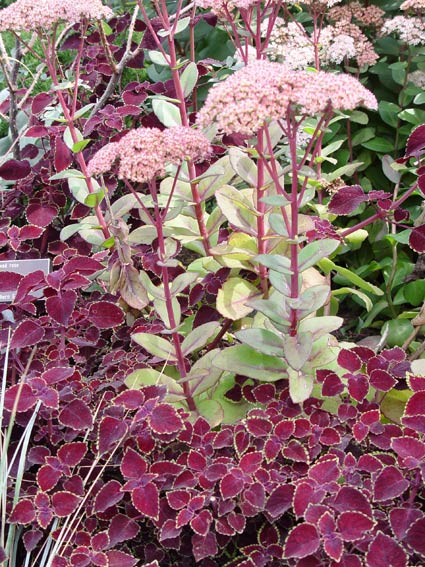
(354,525)
(19,396)
(417,239)
(13,170)
(76,415)
(280,500)
(146,500)
(303,540)
(23,512)
(64,503)
(346,200)
(109,495)
(231,486)
(105,315)
(415,536)
(390,483)
(27,333)
(165,419)
(60,307)
(111,431)
(384,551)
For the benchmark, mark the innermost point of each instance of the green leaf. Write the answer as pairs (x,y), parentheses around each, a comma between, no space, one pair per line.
(68,139)
(315,251)
(359,117)
(142,377)
(327,266)
(393,175)
(244,166)
(382,145)
(351,291)
(236,207)
(242,359)
(297,349)
(79,189)
(83,110)
(70,230)
(320,326)
(157,346)
(199,337)
(211,410)
(262,340)
(310,299)
(161,308)
(189,78)
(180,26)
(414,292)
(232,298)
(280,264)
(79,146)
(166,112)
(157,58)
(413,116)
(348,170)
(388,111)
(300,386)
(419,98)
(107,30)
(67,174)
(363,135)
(94,199)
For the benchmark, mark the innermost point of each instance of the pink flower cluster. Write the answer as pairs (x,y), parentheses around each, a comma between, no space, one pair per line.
(369,16)
(264,90)
(144,152)
(410,30)
(417,5)
(218,5)
(30,15)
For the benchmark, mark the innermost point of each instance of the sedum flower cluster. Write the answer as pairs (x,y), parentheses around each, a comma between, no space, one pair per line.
(410,30)
(264,90)
(144,152)
(31,15)
(289,44)
(370,16)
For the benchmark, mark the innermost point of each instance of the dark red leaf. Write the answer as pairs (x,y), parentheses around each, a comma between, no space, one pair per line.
(63,155)
(255,495)
(61,306)
(41,215)
(231,486)
(105,315)
(109,495)
(9,281)
(57,374)
(22,513)
(133,465)
(303,540)
(40,101)
(130,399)
(416,142)
(349,498)
(146,500)
(196,461)
(26,334)
(48,477)
(296,451)
(204,546)
(389,484)
(332,385)
(178,499)
(416,404)
(325,471)
(111,431)
(258,427)
(401,520)
(165,419)
(237,522)
(76,415)
(346,200)
(280,500)
(31,539)
(284,429)
(305,494)
(82,265)
(349,360)
(12,169)
(415,536)
(382,380)
(411,450)
(122,528)
(201,523)
(354,525)
(118,558)
(65,503)
(384,551)
(358,386)
(417,239)
(421,183)
(251,462)
(22,395)
(72,453)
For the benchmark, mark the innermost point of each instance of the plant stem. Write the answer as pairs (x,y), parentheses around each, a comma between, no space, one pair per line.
(261,209)
(169,298)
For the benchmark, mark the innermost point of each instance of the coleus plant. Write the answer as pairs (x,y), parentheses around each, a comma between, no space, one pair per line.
(291,483)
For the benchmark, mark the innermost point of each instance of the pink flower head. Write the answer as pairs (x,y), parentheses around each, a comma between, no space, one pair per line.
(417,5)
(217,6)
(410,30)
(144,152)
(263,91)
(103,159)
(30,15)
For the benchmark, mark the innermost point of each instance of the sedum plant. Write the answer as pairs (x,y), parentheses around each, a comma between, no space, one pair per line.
(177,391)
